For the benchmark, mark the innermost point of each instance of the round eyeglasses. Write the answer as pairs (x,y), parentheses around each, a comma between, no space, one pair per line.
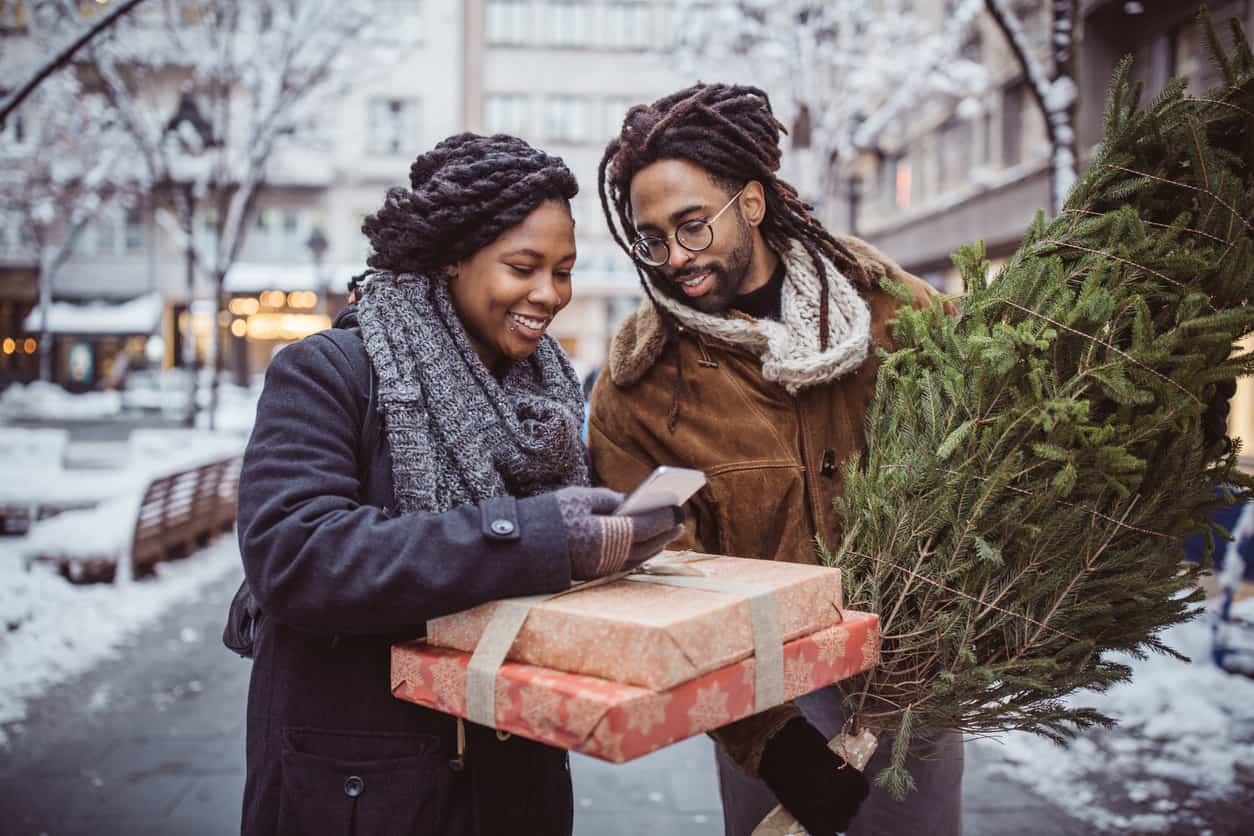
(694,236)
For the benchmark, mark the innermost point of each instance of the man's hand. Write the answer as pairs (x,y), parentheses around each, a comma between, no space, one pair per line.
(810,780)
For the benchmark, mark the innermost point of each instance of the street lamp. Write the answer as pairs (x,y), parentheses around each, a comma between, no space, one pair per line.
(317,244)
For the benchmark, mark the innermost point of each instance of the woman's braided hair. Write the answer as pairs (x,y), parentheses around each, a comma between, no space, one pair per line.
(730,132)
(463,195)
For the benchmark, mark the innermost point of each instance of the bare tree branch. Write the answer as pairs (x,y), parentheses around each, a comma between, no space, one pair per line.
(63,56)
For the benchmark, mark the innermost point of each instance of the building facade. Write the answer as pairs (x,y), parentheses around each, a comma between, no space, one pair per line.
(559,74)
(949,179)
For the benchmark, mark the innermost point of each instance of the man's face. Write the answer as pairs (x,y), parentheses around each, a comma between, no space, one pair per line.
(666,193)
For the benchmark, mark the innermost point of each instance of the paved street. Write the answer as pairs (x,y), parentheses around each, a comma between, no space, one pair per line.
(152,743)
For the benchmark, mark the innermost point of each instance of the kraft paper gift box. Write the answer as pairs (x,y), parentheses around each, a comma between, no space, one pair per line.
(645,630)
(618,722)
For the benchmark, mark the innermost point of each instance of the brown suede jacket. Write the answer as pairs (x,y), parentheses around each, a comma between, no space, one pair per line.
(773,461)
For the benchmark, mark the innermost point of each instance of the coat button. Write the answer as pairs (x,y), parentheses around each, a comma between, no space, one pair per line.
(354,786)
(828,468)
(502,527)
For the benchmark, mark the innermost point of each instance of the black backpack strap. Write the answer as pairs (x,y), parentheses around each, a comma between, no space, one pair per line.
(244,617)
(349,343)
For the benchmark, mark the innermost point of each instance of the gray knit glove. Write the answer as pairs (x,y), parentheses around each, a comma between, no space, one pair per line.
(602,544)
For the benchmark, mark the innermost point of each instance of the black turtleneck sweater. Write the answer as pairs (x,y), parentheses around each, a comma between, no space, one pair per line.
(763,303)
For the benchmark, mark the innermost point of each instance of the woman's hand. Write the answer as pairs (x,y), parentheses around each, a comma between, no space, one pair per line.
(601,543)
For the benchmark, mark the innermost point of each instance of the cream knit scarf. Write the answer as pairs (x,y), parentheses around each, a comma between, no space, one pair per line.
(789,349)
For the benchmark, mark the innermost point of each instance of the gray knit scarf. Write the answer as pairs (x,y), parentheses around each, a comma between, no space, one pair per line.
(457,434)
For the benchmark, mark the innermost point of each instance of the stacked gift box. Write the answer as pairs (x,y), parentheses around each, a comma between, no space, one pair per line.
(619,669)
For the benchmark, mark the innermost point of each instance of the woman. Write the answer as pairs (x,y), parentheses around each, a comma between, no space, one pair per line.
(421,458)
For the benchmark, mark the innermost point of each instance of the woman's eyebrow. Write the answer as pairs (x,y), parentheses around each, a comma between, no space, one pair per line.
(523,251)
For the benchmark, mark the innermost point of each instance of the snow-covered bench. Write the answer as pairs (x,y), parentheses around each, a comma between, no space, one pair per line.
(25,451)
(175,514)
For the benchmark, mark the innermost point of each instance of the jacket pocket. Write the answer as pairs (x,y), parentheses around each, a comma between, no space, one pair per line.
(760,511)
(361,784)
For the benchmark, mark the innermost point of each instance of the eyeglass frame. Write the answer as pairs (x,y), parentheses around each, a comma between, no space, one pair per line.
(674,236)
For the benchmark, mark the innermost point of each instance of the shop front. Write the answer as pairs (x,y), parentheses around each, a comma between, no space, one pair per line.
(95,346)
(268,307)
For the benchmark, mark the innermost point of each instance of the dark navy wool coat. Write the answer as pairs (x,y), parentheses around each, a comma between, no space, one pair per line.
(339,577)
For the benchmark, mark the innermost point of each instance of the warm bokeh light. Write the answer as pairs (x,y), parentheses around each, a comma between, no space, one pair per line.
(285,327)
(10,345)
(29,346)
(302,299)
(244,306)
(274,298)
(239,327)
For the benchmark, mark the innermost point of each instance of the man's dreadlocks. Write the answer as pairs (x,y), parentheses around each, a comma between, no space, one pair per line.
(729,131)
(463,195)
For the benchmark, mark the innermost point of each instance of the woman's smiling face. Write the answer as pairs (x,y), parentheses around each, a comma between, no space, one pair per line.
(507,293)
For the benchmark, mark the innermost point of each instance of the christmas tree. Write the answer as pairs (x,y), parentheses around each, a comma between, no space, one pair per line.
(1033,465)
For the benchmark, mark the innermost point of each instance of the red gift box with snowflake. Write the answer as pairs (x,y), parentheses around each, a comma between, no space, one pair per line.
(618,722)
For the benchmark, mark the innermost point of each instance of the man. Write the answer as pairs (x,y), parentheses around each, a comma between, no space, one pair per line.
(753,359)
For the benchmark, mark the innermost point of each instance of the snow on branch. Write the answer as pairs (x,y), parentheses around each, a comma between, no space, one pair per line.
(1053,88)
(62,55)
(853,68)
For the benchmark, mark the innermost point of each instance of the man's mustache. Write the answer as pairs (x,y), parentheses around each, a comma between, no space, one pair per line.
(688,272)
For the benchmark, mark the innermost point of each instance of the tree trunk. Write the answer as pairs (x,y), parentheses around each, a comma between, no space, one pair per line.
(46,271)
(189,333)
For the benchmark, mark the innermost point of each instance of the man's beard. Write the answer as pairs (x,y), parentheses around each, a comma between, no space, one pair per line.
(728,278)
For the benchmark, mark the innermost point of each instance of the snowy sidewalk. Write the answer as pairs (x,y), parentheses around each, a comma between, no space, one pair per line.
(150,740)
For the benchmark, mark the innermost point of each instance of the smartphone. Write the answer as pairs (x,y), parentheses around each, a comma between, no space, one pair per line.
(664,486)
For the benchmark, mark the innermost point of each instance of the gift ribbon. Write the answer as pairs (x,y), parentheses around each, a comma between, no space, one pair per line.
(671,569)
(768,639)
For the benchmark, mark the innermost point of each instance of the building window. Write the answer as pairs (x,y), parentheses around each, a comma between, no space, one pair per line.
(293,242)
(954,157)
(506,113)
(902,184)
(507,22)
(393,126)
(1012,123)
(615,110)
(134,232)
(106,230)
(569,119)
(558,23)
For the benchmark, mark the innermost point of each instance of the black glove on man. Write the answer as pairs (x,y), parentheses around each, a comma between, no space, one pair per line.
(1215,418)
(810,780)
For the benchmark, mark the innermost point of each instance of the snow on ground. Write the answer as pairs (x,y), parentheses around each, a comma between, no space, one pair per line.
(48,400)
(147,454)
(51,630)
(1185,737)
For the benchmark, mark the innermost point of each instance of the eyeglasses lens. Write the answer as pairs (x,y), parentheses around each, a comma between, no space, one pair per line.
(652,251)
(694,235)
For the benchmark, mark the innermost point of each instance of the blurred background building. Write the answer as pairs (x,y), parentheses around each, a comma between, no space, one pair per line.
(561,73)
